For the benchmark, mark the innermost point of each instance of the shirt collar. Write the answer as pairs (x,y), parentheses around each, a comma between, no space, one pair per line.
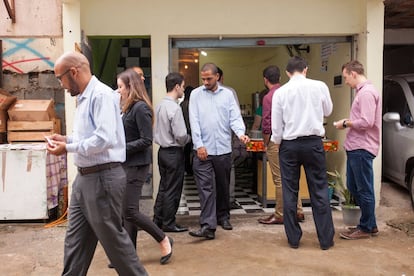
(89,88)
(359,86)
(169,98)
(274,87)
(219,88)
(297,77)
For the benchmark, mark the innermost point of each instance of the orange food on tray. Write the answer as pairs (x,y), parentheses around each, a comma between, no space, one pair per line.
(330,145)
(255,145)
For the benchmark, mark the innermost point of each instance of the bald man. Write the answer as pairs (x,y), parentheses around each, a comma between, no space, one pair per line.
(95,206)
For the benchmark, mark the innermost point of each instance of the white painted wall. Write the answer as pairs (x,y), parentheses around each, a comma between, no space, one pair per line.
(72,36)
(40,18)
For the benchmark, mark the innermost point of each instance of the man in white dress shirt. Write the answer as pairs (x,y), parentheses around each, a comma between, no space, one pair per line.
(298,109)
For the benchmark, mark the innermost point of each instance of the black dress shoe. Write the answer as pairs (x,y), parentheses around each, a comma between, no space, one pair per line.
(328,246)
(294,246)
(235,205)
(176,228)
(166,258)
(225,224)
(203,232)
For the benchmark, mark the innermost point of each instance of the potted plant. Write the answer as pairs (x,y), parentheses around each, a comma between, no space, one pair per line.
(332,181)
(351,212)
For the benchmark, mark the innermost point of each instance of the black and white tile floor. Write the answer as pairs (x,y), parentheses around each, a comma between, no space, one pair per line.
(248,201)
(245,197)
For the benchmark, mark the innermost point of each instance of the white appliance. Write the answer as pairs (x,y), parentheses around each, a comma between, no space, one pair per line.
(23,183)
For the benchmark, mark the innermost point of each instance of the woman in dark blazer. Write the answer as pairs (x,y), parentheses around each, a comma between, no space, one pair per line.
(137,116)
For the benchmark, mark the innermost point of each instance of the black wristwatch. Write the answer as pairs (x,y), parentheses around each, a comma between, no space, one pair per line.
(344,124)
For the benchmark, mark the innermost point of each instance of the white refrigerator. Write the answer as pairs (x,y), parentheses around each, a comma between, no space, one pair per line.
(23,183)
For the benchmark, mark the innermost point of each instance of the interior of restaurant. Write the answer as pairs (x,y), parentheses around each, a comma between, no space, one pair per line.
(243,67)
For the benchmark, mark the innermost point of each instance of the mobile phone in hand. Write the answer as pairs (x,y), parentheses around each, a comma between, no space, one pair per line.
(50,142)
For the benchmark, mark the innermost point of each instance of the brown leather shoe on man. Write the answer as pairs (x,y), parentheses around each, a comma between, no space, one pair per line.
(356,234)
(271,220)
(300,217)
(374,231)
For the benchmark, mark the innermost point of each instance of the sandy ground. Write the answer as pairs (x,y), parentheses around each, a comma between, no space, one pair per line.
(250,249)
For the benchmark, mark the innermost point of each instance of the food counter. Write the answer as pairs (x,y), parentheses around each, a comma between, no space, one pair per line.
(31,181)
(265,186)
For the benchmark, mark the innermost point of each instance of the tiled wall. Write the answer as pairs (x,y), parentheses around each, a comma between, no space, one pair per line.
(137,52)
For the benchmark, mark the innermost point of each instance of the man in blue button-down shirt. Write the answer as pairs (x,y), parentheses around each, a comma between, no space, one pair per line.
(98,144)
(213,113)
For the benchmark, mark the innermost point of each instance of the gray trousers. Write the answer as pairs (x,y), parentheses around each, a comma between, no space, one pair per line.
(95,214)
(212,177)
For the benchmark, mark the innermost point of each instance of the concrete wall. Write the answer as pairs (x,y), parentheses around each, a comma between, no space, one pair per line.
(28,70)
(30,47)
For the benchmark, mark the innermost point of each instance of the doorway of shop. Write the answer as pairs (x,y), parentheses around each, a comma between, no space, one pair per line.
(242,61)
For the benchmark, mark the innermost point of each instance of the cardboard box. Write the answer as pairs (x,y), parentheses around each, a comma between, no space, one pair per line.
(6,100)
(32,110)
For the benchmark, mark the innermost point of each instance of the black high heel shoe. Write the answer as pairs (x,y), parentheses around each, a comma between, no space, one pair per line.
(166,258)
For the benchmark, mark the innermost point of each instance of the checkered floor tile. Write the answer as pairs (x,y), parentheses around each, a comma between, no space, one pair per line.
(246,200)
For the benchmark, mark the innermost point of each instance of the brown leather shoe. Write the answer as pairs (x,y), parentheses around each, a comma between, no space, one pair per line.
(374,231)
(271,220)
(300,217)
(355,235)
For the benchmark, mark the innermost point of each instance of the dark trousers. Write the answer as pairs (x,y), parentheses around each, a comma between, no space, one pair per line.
(95,214)
(171,166)
(188,151)
(309,152)
(133,218)
(212,177)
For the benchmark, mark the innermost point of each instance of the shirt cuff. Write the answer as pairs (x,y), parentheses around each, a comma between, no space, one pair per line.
(70,147)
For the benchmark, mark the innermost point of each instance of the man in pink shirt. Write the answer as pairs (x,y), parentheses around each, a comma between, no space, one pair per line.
(271,77)
(361,145)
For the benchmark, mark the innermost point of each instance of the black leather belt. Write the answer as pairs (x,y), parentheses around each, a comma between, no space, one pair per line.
(309,137)
(172,148)
(98,168)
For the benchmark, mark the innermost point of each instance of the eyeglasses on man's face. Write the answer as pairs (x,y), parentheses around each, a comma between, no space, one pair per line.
(59,77)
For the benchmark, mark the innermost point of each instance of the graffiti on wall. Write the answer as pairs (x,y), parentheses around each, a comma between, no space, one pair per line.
(30,54)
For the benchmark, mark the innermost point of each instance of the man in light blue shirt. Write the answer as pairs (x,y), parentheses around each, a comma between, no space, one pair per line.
(98,144)
(213,113)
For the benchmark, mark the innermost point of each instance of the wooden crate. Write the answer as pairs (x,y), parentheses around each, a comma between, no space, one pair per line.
(32,110)
(27,131)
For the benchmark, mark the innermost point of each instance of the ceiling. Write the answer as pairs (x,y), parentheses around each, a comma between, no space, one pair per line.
(399,14)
